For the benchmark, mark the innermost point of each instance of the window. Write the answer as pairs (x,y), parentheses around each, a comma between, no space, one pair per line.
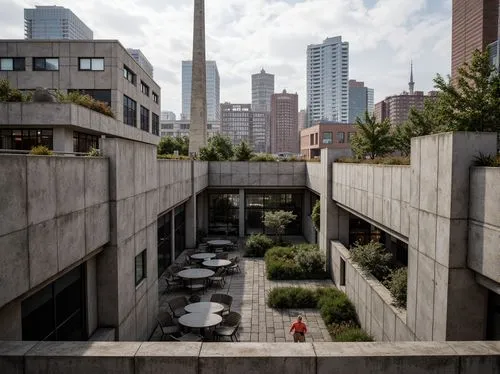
(45,64)
(350,136)
(12,64)
(144,88)
(340,137)
(140,267)
(311,139)
(223,213)
(155,124)
(342,272)
(155,97)
(327,138)
(84,142)
(129,111)
(129,75)
(164,225)
(144,119)
(95,64)
(25,139)
(167,126)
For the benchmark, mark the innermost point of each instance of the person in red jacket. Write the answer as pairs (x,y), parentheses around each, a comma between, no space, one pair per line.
(299,329)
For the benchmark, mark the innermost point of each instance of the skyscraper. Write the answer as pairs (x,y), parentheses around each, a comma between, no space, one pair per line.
(284,122)
(360,100)
(141,60)
(262,89)
(54,22)
(327,81)
(474,26)
(212,89)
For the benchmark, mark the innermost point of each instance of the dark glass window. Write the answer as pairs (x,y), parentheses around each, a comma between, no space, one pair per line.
(12,64)
(25,139)
(155,122)
(223,213)
(164,242)
(95,64)
(155,97)
(56,312)
(180,230)
(129,75)
(327,138)
(45,63)
(129,111)
(101,95)
(340,137)
(493,322)
(140,267)
(144,119)
(84,142)
(144,88)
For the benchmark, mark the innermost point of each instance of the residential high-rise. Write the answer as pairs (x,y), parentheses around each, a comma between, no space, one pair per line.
(141,60)
(474,26)
(262,89)
(212,90)
(360,100)
(239,123)
(302,119)
(54,22)
(284,135)
(327,81)
(397,108)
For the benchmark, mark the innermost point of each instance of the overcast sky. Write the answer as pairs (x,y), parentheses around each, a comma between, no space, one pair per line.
(245,35)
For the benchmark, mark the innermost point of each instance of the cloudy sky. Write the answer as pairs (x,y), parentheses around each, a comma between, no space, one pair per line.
(245,35)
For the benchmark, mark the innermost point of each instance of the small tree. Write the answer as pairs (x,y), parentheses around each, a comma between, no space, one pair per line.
(316,215)
(372,138)
(243,152)
(169,144)
(219,148)
(278,221)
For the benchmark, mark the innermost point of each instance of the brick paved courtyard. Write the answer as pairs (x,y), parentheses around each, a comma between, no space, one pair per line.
(259,323)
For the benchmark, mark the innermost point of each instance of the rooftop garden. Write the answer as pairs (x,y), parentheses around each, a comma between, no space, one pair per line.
(13,95)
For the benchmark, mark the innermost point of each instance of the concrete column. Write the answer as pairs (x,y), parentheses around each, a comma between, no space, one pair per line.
(198,126)
(62,139)
(91,285)
(172,227)
(241,213)
(444,300)
(191,227)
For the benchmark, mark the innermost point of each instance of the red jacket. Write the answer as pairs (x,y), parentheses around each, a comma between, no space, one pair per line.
(298,327)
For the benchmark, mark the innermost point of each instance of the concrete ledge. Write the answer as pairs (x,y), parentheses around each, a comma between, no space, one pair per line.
(258,358)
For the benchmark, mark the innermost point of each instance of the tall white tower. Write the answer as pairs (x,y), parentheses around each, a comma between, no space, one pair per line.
(327,81)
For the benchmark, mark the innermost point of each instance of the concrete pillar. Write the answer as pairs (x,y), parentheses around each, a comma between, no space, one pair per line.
(191,227)
(444,300)
(198,125)
(91,285)
(172,228)
(62,139)
(241,213)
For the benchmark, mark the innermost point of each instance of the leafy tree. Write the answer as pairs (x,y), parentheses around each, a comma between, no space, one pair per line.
(372,138)
(9,94)
(209,154)
(243,152)
(278,221)
(169,144)
(219,148)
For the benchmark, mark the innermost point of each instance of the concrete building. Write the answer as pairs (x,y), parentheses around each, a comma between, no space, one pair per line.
(100,68)
(397,108)
(360,100)
(474,26)
(327,81)
(239,122)
(329,135)
(168,116)
(54,22)
(181,127)
(262,89)
(139,57)
(212,90)
(284,123)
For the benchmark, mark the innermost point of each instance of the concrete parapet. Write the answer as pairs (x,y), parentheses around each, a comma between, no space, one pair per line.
(258,358)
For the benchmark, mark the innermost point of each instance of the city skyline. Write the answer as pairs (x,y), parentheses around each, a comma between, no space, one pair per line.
(391,35)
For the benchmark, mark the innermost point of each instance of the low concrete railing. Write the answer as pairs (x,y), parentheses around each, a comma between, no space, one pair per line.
(258,358)
(313,176)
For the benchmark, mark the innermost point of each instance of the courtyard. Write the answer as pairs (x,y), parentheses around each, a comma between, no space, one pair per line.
(249,289)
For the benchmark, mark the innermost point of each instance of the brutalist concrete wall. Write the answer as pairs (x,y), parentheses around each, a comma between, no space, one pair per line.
(379,192)
(175,182)
(444,300)
(133,177)
(243,174)
(313,176)
(54,212)
(200,175)
(373,301)
(261,358)
(484,222)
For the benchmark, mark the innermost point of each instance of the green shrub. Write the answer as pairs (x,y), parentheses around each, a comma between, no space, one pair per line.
(292,297)
(13,95)
(387,160)
(310,259)
(264,157)
(257,245)
(41,150)
(316,215)
(348,332)
(373,258)
(487,160)
(303,261)
(87,101)
(398,284)
(93,152)
(337,309)
(173,157)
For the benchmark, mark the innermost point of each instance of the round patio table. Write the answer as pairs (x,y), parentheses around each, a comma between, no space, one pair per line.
(204,307)
(195,273)
(200,320)
(203,256)
(217,263)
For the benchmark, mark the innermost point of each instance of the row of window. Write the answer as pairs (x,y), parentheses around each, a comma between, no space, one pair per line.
(130,116)
(129,75)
